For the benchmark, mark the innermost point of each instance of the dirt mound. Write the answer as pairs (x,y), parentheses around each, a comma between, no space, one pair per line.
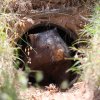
(80,91)
(71,18)
(28,5)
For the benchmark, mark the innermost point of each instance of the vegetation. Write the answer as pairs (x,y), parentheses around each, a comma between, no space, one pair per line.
(91,63)
(9,77)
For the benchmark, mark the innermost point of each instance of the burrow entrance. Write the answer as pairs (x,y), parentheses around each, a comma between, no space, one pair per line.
(45,48)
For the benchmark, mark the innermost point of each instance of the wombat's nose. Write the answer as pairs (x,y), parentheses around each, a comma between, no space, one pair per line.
(58,55)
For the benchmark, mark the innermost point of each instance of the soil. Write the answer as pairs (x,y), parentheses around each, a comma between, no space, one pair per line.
(80,91)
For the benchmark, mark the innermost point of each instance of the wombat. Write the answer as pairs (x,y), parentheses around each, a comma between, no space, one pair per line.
(47,52)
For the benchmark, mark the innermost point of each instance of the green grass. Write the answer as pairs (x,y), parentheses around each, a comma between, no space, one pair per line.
(10,78)
(91,63)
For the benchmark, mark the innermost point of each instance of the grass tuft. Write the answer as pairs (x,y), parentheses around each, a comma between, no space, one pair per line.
(91,63)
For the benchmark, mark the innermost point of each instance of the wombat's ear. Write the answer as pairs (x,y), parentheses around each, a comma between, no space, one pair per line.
(32,37)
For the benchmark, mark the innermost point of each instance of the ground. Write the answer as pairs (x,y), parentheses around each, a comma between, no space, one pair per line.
(80,91)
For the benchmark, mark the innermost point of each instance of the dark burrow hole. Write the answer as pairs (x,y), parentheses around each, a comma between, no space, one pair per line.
(44,48)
